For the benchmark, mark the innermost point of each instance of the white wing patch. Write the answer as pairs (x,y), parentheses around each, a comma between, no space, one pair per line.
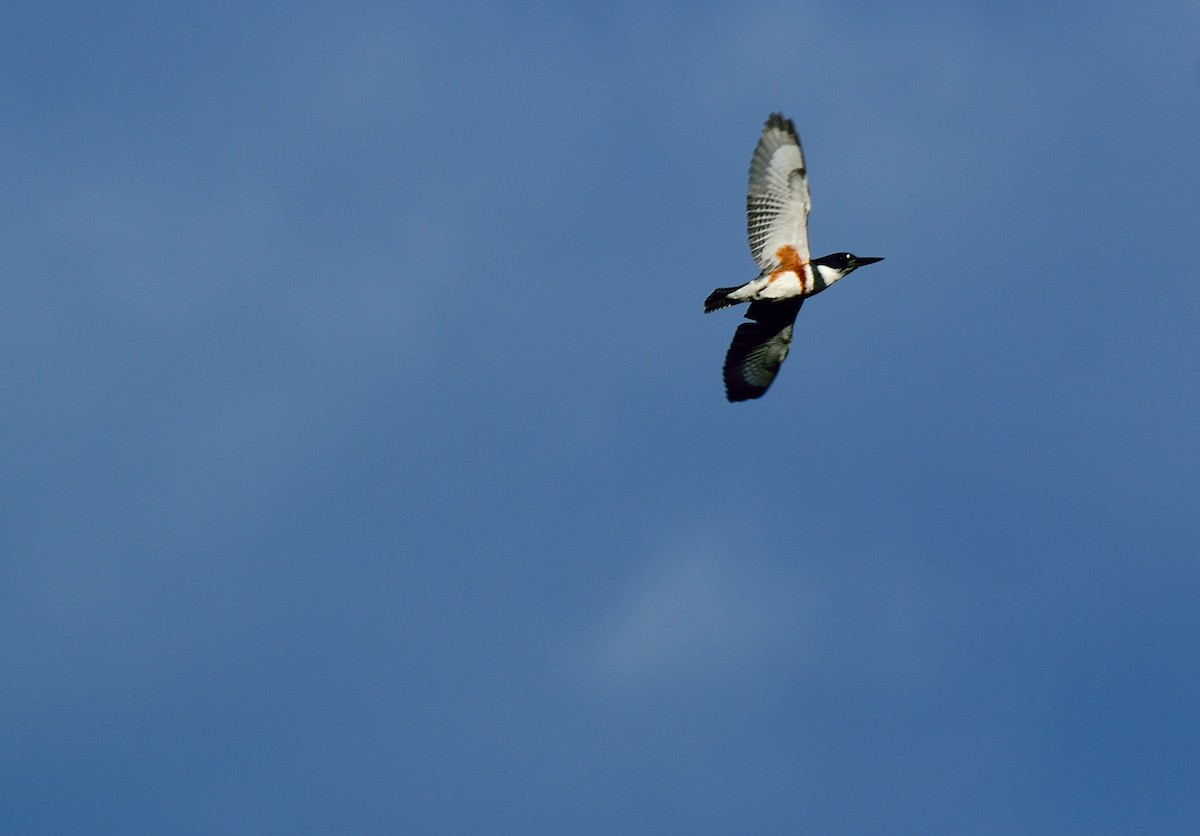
(777,201)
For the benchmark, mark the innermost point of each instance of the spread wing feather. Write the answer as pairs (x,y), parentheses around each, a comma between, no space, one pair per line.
(759,348)
(777,201)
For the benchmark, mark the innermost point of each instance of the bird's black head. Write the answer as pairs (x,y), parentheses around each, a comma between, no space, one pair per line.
(844,262)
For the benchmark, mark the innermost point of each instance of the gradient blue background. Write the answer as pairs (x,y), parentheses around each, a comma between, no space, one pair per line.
(367,469)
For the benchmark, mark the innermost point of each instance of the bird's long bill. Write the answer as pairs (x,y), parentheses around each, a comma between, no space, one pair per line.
(861,260)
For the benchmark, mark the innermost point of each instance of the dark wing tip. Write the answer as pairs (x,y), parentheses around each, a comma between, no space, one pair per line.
(746,374)
(738,390)
(759,348)
(781,122)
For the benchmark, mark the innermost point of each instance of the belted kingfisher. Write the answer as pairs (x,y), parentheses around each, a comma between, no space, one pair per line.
(777,205)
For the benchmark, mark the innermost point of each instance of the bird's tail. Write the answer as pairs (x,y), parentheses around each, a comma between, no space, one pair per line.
(719,298)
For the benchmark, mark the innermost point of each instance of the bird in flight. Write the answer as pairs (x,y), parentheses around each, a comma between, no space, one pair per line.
(777,205)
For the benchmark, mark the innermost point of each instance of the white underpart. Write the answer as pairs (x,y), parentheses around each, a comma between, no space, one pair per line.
(785,286)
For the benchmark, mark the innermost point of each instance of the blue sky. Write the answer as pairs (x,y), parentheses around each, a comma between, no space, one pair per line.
(368,467)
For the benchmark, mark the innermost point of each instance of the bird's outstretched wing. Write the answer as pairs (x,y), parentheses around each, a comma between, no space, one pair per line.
(777,201)
(759,347)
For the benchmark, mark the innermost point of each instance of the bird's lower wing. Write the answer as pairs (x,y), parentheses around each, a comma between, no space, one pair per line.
(759,348)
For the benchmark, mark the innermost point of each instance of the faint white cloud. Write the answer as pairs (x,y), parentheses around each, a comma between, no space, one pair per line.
(877,620)
(690,613)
